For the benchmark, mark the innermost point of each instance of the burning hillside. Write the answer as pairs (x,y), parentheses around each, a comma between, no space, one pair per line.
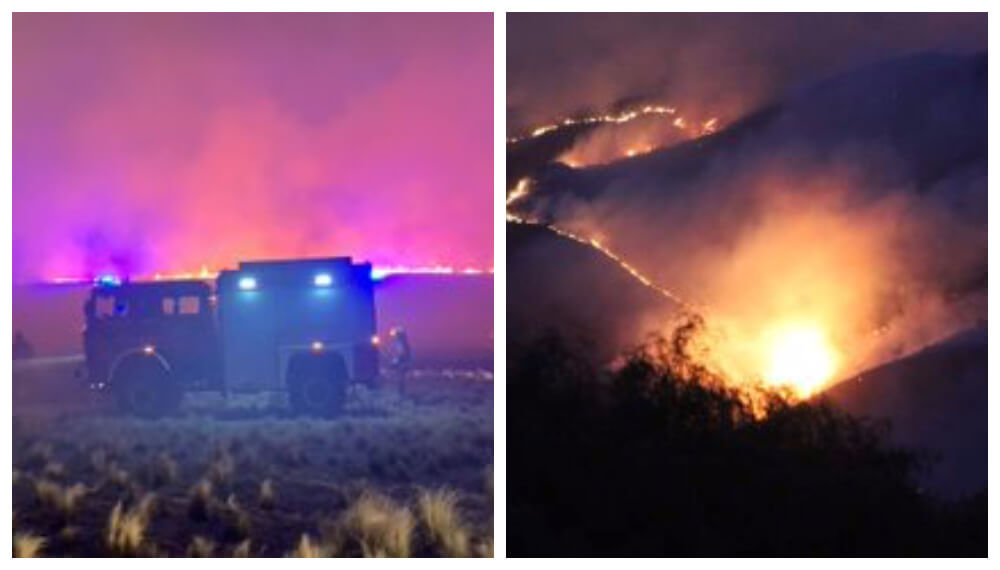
(631,132)
(837,228)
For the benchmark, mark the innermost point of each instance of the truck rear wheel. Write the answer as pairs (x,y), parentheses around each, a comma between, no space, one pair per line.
(317,387)
(145,389)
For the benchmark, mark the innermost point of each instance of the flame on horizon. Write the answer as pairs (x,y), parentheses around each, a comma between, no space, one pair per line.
(600,147)
(206,274)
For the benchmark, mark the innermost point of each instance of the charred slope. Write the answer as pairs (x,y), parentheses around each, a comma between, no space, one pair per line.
(935,400)
(556,284)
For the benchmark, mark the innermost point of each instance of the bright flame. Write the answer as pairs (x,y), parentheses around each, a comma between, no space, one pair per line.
(519,191)
(637,150)
(800,357)
(678,122)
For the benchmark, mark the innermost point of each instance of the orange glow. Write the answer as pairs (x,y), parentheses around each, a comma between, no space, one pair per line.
(795,354)
(775,317)
(636,151)
(800,357)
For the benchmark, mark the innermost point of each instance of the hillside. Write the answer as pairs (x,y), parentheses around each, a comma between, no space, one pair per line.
(935,401)
(915,120)
(603,300)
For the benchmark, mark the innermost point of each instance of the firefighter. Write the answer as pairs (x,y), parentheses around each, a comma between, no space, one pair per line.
(399,356)
(22,348)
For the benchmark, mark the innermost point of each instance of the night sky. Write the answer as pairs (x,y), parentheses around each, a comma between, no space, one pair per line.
(706,64)
(167,142)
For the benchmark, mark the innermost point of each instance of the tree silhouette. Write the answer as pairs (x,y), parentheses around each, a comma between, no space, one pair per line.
(659,457)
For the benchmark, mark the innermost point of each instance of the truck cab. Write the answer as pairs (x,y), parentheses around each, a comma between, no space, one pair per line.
(149,342)
(302,326)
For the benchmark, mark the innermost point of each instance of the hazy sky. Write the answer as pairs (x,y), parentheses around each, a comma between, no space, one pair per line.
(162,142)
(706,64)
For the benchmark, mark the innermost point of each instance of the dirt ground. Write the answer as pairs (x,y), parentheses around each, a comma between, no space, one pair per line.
(398,474)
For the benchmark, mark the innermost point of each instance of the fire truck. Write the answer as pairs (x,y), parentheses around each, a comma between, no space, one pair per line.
(302,326)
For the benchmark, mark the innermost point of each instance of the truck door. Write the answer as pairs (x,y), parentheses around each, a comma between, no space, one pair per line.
(247,331)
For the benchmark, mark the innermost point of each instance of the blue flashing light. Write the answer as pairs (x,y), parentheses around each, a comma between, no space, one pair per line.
(247,283)
(108,280)
(323,280)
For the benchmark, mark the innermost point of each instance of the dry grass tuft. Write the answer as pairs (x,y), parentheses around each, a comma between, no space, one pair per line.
(59,498)
(164,470)
(126,532)
(266,496)
(201,547)
(439,514)
(236,519)
(242,550)
(306,548)
(200,500)
(221,470)
(382,528)
(485,548)
(27,545)
(69,533)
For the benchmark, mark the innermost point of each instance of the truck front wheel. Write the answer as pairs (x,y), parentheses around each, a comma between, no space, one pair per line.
(317,386)
(144,388)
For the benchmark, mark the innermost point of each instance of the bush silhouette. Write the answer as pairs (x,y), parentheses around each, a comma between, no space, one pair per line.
(660,458)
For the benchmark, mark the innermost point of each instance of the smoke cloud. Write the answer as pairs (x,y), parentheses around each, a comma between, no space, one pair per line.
(855,206)
(166,142)
(707,65)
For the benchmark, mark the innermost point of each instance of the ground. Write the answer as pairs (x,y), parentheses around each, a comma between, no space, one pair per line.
(397,474)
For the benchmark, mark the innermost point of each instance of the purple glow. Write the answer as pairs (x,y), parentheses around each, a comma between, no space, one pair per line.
(148,143)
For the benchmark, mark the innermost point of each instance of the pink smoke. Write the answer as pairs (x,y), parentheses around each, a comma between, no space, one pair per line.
(168,142)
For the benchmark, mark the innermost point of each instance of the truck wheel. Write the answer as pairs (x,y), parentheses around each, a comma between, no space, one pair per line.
(146,390)
(318,390)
